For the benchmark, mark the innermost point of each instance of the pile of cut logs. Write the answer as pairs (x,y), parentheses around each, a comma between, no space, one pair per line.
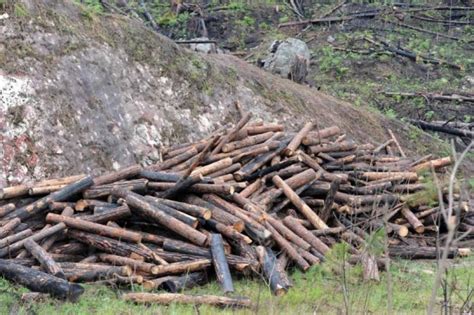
(251,199)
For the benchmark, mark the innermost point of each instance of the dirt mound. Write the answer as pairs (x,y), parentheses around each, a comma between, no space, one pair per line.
(81,92)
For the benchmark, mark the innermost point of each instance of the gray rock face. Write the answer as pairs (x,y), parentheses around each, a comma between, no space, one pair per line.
(205,48)
(289,59)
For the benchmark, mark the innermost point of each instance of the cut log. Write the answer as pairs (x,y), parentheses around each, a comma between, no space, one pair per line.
(413,220)
(9,227)
(300,204)
(309,237)
(146,210)
(38,281)
(60,195)
(92,227)
(15,247)
(44,258)
(188,281)
(168,298)
(7,241)
(193,210)
(135,265)
(270,269)
(296,141)
(6,209)
(114,214)
(220,263)
(124,173)
(289,249)
(329,201)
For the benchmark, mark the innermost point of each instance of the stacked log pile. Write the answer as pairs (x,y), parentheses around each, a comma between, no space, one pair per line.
(252,199)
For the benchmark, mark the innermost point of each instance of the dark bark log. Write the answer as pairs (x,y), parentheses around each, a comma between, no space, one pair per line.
(114,214)
(272,272)
(224,189)
(329,201)
(227,231)
(256,163)
(418,252)
(146,210)
(124,173)
(188,281)
(105,190)
(38,281)
(112,246)
(289,249)
(217,213)
(13,248)
(60,195)
(221,266)
(44,259)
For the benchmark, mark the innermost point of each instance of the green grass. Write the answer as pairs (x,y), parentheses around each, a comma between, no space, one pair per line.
(318,290)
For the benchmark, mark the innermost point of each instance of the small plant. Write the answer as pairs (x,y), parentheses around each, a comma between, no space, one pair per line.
(19,10)
(391,113)
(247,21)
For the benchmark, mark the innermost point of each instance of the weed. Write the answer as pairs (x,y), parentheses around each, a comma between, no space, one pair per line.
(20,11)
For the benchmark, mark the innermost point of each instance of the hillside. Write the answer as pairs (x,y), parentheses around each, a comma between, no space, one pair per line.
(82,91)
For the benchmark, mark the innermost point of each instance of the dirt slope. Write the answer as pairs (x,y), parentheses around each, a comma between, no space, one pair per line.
(81,92)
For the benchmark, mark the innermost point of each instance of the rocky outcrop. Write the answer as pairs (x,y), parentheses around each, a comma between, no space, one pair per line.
(289,59)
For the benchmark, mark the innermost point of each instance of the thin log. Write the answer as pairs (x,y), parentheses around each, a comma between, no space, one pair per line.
(232,133)
(168,298)
(60,195)
(7,241)
(13,248)
(92,227)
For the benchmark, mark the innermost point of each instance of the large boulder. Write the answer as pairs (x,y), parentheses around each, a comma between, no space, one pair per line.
(289,59)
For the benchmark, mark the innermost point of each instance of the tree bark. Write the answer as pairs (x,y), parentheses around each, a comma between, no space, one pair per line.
(38,281)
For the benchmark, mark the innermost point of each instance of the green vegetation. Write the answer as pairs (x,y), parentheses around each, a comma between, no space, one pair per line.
(320,290)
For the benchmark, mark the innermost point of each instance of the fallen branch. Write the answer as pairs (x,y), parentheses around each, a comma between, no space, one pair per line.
(445,129)
(434,96)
